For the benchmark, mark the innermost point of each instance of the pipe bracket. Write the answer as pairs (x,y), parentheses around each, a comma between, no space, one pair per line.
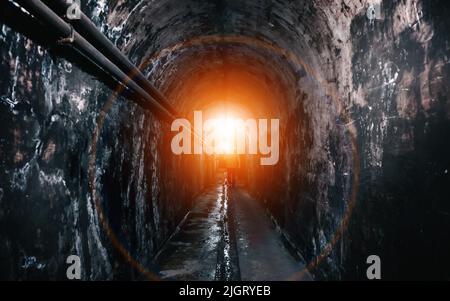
(69,39)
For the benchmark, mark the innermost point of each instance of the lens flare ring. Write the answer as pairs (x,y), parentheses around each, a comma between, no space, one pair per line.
(221,39)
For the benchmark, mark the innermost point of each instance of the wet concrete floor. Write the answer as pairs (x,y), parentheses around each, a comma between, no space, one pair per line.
(227,236)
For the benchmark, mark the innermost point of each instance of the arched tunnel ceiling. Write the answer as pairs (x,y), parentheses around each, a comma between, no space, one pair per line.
(289,44)
(309,63)
(308,30)
(203,75)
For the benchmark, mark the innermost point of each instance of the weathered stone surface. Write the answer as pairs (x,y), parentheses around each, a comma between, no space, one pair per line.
(388,75)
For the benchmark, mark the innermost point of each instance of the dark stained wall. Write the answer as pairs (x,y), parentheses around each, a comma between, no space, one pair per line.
(340,75)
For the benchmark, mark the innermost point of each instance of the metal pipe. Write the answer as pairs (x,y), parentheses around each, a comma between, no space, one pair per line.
(64,30)
(91,33)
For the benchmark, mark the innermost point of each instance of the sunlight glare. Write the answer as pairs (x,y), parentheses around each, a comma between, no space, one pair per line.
(225,135)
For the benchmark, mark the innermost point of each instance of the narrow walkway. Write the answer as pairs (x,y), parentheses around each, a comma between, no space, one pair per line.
(191,254)
(262,253)
(227,236)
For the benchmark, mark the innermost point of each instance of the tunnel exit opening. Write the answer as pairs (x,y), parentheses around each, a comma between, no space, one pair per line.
(227,136)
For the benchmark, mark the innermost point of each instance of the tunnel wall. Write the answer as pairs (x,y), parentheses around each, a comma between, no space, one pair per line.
(388,75)
(49,110)
(379,81)
(402,207)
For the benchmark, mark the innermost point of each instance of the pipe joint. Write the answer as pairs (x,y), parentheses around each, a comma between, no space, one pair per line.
(69,39)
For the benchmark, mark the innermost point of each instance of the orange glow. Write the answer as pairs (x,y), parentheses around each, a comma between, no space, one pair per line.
(224,134)
(228,92)
(219,91)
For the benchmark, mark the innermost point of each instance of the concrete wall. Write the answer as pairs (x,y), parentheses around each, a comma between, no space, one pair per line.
(364,110)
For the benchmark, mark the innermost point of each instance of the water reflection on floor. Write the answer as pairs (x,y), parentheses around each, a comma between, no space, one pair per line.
(227,236)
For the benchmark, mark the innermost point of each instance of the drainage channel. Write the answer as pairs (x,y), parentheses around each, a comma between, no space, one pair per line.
(227,268)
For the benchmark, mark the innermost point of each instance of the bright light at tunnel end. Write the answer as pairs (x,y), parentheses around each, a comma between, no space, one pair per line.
(227,135)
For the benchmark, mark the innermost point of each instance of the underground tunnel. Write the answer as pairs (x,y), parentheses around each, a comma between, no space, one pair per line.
(360,90)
